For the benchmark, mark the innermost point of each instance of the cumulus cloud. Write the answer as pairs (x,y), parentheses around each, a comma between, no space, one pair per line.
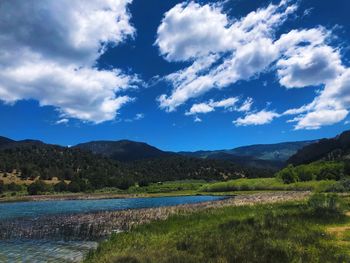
(49,51)
(222,52)
(258,118)
(206,107)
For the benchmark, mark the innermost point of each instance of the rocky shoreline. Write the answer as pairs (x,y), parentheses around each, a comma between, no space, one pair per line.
(94,226)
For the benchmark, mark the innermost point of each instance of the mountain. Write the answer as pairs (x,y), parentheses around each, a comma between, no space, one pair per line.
(123,150)
(324,149)
(32,159)
(272,152)
(4,141)
(259,155)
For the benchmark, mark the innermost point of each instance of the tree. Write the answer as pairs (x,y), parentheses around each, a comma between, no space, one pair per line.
(61,186)
(2,186)
(288,175)
(37,187)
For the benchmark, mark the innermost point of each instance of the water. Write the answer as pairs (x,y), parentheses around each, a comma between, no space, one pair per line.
(44,251)
(53,251)
(42,208)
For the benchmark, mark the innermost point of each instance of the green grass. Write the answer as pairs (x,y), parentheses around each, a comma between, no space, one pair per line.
(291,232)
(273,184)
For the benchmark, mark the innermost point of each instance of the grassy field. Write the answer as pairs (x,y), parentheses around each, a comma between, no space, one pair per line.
(316,231)
(176,188)
(272,184)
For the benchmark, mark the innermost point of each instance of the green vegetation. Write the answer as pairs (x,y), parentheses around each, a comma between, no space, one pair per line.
(290,232)
(87,172)
(272,184)
(321,170)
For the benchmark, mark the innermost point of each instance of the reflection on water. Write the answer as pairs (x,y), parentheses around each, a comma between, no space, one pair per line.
(44,251)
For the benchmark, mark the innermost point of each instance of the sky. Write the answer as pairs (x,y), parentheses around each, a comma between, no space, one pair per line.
(179,75)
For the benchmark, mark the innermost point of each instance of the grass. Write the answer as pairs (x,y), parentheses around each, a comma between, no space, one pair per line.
(290,232)
(187,187)
(272,184)
(9,178)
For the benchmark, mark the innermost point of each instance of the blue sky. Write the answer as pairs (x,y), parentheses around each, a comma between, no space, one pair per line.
(178,75)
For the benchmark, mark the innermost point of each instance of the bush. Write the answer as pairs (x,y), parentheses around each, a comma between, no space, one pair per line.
(143,183)
(288,175)
(14,187)
(61,187)
(125,183)
(323,204)
(341,186)
(38,187)
(73,187)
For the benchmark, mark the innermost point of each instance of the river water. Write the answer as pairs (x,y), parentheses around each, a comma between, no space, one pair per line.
(68,251)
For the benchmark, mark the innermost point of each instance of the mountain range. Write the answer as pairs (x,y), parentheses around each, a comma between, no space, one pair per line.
(270,156)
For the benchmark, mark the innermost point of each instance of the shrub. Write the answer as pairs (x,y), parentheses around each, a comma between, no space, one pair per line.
(341,186)
(288,175)
(73,187)
(14,187)
(323,204)
(37,187)
(61,186)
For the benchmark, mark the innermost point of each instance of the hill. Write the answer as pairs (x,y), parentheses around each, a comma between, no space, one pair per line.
(324,149)
(30,159)
(4,141)
(268,156)
(123,150)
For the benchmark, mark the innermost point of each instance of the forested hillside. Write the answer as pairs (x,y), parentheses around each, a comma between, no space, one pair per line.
(325,149)
(33,159)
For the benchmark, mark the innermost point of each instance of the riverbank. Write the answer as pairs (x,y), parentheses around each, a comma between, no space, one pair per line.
(181,188)
(261,228)
(93,226)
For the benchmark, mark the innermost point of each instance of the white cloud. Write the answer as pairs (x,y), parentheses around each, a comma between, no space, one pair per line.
(226,103)
(223,52)
(62,121)
(200,108)
(137,117)
(197,119)
(316,119)
(310,61)
(310,65)
(206,25)
(246,105)
(258,118)
(211,105)
(49,50)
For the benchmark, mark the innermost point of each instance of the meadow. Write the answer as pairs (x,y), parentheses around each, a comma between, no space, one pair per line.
(310,231)
(269,184)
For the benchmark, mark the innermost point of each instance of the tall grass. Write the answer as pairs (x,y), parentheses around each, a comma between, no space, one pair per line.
(266,233)
(265,184)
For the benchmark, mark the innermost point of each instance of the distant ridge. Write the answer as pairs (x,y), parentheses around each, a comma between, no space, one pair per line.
(4,141)
(123,150)
(260,154)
